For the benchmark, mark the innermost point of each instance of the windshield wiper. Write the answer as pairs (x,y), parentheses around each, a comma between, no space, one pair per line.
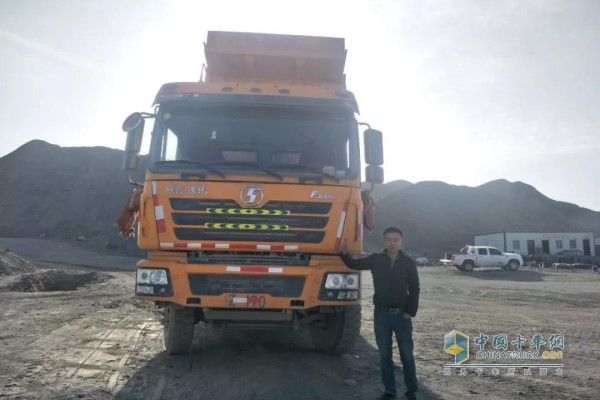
(253,165)
(309,169)
(196,164)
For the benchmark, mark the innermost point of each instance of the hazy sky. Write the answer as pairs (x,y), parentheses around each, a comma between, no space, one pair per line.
(464,91)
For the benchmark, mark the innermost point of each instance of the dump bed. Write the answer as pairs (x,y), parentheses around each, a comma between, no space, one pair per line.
(260,58)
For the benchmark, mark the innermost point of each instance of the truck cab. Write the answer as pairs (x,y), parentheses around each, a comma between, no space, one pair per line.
(252,184)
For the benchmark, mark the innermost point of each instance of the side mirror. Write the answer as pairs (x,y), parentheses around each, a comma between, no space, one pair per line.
(373,147)
(374,174)
(132,121)
(134,126)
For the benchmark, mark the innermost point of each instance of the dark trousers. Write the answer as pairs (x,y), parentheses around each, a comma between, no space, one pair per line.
(386,324)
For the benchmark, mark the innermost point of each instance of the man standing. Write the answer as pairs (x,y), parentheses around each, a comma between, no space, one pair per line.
(396,299)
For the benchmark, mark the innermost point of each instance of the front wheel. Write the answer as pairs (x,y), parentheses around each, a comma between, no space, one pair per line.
(178,329)
(339,332)
(513,265)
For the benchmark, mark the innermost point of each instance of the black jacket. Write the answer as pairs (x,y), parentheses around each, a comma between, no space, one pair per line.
(396,286)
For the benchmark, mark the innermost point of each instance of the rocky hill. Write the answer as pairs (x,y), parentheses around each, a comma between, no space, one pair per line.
(438,217)
(65,193)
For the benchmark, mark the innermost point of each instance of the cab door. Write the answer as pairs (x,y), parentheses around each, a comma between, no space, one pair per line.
(496,257)
(483,257)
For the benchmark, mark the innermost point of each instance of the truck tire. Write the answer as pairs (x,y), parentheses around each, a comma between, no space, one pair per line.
(459,267)
(339,333)
(468,266)
(178,329)
(513,265)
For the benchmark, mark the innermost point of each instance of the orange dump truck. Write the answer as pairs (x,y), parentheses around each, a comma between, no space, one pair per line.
(252,183)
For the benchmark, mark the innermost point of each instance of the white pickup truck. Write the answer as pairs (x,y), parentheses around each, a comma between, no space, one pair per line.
(485,256)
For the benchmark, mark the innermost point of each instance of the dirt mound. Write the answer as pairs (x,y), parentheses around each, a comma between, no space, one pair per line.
(79,193)
(11,264)
(54,281)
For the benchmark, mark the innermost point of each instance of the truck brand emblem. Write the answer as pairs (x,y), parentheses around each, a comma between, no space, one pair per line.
(251,196)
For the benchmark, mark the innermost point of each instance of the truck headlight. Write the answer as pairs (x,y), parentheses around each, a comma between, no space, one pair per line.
(342,281)
(352,281)
(143,276)
(159,277)
(335,281)
(152,276)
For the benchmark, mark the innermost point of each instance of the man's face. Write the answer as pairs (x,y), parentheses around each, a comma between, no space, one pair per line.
(393,241)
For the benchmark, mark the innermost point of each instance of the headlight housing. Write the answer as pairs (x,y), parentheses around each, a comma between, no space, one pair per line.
(340,286)
(152,276)
(153,281)
(342,281)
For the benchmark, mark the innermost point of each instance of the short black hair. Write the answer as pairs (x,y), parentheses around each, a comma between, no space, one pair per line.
(393,229)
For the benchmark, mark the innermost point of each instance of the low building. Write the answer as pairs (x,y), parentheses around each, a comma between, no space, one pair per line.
(526,243)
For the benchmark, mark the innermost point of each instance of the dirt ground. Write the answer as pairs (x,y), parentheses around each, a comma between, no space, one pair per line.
(95,341)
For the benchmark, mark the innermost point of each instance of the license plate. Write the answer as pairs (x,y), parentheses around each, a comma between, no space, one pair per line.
(251,301)
(145,289)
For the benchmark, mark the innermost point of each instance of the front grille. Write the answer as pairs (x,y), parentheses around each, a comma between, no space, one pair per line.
(201,205)
(223,219)
(248,259)
(249,235)
(289,221)
(294,207)
(299,207)
(276,286)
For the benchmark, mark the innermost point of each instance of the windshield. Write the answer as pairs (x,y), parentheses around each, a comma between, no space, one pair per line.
(271,140)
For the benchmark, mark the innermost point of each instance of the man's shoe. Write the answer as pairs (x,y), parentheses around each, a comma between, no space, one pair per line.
(410,396)
(386,396)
